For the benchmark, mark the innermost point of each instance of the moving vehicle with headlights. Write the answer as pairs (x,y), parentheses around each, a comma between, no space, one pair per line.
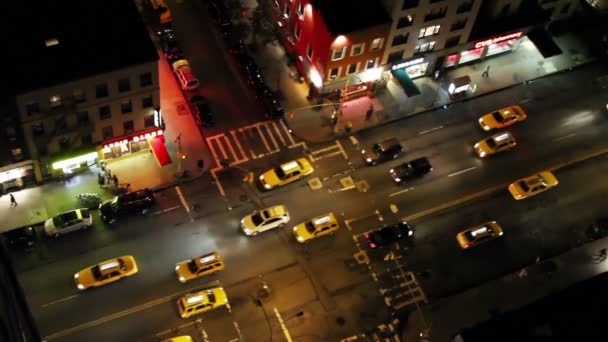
(201,302)
(532,185)
(106,272)
(388,234)
(479,234)
(497,143)
(133,203)
(261,221)
(286,173)
(502,118)
(200,266)
(410,170)
(68,222)
(326,224)
(383,151)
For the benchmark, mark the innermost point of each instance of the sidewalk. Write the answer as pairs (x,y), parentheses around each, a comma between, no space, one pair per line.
(453,314)
(509,69)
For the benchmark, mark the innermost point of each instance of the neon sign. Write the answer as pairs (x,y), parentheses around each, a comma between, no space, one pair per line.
(408,63)
(498,39)
(135,138)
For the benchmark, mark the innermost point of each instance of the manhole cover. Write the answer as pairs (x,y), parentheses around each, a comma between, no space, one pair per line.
(315,183)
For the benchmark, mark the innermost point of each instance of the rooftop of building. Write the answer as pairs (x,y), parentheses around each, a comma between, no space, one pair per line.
(90,37)
(345,16)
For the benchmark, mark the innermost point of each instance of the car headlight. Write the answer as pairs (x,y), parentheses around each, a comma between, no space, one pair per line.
(397,179)
(500,234)
(261,178)
(482,154)
(76,276)
(247,231)
(362,151)
(476,145)
(300,239)
(410,233)
(267,186)
(182,279)
(295,228)
(176,267)
(369,160)
(80,287)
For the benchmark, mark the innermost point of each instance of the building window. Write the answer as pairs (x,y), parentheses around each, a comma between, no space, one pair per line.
(79,96)
(101,90)
(105,112)
(459,25)
(83,118)
(437,13)
(395,56)
(334,73)
(420,48)
(301,10)
(107,132)
(376,44)
(145,79)
(149,121)
(406,21)
(17,153)
(352,68)
(297,32)
(452,41)
(147,102)
(400,39)
(409,4)
(371,63)
(465,7)
(429,31)
(60,124)
(309,52)
(286,10)
(128,126)
(37,129)
(87,139)
(357,49)
(32,108)
(55,101)
(338,54)
(126,107)
(124,85)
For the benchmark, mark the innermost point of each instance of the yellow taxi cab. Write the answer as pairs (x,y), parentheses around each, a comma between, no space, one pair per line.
(479,234)
(497,143)
(532,185)
(316,227)
(286,173)
(502,118)
(202,301)
(200,266)
(106,272)
(185,338)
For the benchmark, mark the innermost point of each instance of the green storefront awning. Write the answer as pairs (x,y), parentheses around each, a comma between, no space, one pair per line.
(406,82)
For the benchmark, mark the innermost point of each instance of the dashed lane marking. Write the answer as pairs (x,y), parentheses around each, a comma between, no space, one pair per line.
(59,301)
(462,171)
(184,202)
(164,211)
(564,137)
(430,130)
(400,192)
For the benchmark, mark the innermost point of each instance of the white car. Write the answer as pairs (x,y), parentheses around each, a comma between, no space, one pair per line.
(269,218)
(68,222)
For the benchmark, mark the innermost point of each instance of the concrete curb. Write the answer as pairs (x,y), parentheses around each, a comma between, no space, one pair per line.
(405,116)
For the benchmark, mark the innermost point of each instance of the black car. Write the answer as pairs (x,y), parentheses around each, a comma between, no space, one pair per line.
(388,234)
(386,150)
(132,203)
(598,230)
(202,114)
(411,169)
(20,238)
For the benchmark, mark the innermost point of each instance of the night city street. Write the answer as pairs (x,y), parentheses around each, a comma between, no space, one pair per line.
(206,178)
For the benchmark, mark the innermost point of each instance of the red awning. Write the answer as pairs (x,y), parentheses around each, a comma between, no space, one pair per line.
(157,144)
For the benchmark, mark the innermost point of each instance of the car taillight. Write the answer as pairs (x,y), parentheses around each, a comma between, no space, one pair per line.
(372,245)
(366,235)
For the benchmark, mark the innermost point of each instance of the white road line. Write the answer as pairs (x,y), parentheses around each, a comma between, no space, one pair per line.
(164,211)
(327,155)
(221,146)
(564,137)
(400,192)
(274,124)
(462,171)
(59,301)
(232,152)
(293,142)
(342,149)
(430,130)
(213,152)
(524,101)
(184,202)
(283,326)
(238,144)
(272,137)
(263,138)
(173,330)
(319,151)
(217,182)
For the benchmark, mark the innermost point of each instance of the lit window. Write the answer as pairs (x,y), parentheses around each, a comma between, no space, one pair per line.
(334,73)
(352,68)
(338,54)
(286,11)
(301,10)
(370,63)
(429,31)
(376,44)
(357,49)
(55,101)
(51,42)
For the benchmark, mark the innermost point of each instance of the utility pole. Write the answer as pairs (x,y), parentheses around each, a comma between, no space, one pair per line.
(178,140)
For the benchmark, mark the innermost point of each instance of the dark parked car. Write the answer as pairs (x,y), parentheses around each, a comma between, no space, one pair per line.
(201,111)
(20,238)
(133,203)
(411,169)
(598,230)
(388,234)
(386,150)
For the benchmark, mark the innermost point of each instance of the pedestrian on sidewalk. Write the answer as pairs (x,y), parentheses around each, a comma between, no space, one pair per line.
(13,201)
(370,112)
(115,179)
(486,73)
(348,127)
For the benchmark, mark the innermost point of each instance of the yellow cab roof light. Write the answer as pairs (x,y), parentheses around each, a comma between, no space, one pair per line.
(195,299)
(108,265)
(322,220)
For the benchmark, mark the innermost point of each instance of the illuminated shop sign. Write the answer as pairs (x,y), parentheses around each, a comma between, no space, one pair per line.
(135,138)
(408,63)
(498,39)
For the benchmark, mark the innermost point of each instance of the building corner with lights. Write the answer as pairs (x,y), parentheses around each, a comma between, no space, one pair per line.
(84,88)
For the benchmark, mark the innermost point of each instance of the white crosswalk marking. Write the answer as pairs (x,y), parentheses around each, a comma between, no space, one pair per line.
(329,151)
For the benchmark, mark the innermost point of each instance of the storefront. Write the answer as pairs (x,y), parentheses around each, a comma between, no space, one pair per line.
(404,72)
(141,141)
(19,175)
(485,48)
(78,161)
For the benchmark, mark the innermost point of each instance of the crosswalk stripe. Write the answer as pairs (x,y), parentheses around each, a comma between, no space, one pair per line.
(221,146)
(276,129)
(263,138)
(286,130)
(276,146)
(238,144)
